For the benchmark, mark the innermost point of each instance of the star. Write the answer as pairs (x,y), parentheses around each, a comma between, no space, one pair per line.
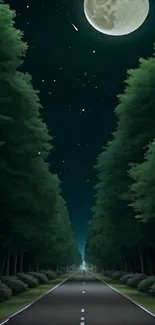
(94,51)
(83,110)
(54,80)
(43,80)
(27,6)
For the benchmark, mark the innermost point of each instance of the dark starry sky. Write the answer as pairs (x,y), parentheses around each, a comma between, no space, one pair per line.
(79,75)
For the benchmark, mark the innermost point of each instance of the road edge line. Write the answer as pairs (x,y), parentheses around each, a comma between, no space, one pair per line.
(128,298)
(33,302)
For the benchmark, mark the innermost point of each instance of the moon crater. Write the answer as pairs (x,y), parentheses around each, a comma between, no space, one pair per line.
(116,17)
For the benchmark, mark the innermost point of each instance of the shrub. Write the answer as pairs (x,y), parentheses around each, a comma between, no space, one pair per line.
(146,284)
(108,273)
(59,272)
(28,279)
(51,275)
(152,290)
(117,275)
(17,286)
(5,292)
(42,278)
(125,278)
(133,281)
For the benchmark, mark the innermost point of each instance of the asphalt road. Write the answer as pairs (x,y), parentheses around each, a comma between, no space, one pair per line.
(83,300)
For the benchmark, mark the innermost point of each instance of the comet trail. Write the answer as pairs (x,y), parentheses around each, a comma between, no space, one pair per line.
(75,27)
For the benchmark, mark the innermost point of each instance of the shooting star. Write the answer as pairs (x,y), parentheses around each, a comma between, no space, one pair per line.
(75,27)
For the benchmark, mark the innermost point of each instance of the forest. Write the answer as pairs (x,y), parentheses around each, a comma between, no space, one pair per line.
(121,233)
(35,227)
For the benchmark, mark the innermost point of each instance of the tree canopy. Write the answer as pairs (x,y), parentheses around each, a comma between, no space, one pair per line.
(124,193)
(35,229)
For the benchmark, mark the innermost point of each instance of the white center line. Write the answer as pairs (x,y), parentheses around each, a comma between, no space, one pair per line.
(82,310)
(82,323)
(82,318)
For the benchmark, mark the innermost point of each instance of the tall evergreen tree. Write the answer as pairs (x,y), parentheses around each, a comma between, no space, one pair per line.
(124,240)
(32,211)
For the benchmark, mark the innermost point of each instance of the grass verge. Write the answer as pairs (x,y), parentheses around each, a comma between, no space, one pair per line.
(142,299)
(15,303)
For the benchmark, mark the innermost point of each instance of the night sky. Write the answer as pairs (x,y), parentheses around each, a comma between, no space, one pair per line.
(79,75)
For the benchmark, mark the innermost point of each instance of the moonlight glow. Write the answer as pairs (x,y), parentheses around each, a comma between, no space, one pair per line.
(116,17)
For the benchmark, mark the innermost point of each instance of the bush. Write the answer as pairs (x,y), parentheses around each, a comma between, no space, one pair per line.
(133,281)
(42,278)
(125,278)
(28,279)
(117,275)
(59,272)
(5,292)
(17,286)
(51,275)
(146,284)
(108,273)
(152,290)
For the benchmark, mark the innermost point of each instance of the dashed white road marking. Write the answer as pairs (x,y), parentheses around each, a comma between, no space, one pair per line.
(82,323)
(33,302)
(82,318)
(122,294)
(82,310)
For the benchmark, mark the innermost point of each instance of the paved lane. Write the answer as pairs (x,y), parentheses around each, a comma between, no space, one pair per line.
(83,300)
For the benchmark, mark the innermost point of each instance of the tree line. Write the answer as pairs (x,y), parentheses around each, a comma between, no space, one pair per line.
(121,234)
(35,229)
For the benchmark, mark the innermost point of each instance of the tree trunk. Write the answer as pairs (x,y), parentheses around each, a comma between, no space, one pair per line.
(7,271)
(33,267)
(15,259)
(141,257)
(122,266)
(132,266)
(21,256)
(37,267)
(149,265)
(45,266)
(3,265)
(129,267)
(125,266)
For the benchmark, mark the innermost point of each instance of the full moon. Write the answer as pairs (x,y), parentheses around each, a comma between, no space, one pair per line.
(116,17)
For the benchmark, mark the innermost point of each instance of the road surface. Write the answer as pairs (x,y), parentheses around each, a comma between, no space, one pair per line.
(83,300)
